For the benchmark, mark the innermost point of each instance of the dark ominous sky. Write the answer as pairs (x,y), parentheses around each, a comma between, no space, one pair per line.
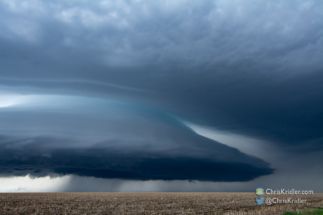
(161,95)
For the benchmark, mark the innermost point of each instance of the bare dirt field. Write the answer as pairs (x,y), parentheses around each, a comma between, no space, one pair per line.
(148,203)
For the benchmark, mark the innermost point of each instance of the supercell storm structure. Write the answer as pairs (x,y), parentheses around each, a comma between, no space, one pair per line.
(214,91)
(109,139)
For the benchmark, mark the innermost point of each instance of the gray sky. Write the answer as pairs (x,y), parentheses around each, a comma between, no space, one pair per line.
(161,95)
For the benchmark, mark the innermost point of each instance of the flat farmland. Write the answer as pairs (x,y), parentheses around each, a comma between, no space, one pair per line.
(148,203)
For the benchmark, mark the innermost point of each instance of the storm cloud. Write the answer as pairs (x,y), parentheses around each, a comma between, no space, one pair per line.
(114,140)
(115,82)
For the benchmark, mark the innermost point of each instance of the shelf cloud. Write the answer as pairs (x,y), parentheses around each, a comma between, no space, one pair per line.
(108,139)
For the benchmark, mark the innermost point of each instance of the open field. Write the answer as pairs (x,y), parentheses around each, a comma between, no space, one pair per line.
(147,203)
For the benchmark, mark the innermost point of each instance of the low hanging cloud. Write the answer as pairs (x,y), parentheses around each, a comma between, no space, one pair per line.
(108,139)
